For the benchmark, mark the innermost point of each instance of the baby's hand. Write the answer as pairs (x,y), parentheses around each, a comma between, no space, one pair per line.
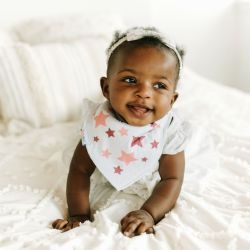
(66,225)
(137,222)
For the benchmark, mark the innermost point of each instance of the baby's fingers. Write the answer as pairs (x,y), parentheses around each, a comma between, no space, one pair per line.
(125,222)
(71,225)
(130,229)
(59,224)
(142,228)
(150,230)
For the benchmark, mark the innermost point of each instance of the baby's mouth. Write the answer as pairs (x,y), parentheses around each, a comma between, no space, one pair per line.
(139,110)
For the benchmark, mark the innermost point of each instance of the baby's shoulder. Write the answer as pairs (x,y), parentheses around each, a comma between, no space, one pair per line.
(90,108)
(89,105)
(178,124)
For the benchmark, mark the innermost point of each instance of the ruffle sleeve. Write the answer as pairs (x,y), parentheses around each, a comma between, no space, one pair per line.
(88,109)
(176,136)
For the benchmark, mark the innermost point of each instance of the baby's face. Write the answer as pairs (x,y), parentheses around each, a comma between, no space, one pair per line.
(140,86)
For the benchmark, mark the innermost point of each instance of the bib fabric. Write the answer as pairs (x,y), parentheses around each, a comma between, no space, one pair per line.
(121,152)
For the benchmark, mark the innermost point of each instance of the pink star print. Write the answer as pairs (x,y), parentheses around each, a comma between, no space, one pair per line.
(110,133)
(106,153)
(123,131)
(96,138)
(101,119)
(144,159)
(137,141)
(154,144)
(127,157)
(118,170)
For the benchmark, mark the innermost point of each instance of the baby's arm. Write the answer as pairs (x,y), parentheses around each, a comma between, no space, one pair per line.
(78,185)
(162,199)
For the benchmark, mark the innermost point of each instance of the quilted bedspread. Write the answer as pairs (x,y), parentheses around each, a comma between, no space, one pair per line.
(212,212)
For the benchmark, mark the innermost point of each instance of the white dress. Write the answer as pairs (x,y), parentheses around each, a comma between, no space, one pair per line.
(126,157)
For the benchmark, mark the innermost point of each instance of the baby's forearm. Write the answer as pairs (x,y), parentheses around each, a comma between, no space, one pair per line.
(78,186)
(163,198)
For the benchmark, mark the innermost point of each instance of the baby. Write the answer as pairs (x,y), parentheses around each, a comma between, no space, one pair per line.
(134,137)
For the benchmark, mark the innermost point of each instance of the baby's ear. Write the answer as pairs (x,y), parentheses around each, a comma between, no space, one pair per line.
(104,86)
(174,98)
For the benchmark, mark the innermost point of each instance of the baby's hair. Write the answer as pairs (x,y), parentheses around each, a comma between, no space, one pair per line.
(138,37)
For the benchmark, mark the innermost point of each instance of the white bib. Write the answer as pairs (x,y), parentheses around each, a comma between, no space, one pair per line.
(123,153)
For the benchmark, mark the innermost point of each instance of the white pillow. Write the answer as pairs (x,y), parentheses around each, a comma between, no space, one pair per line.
(56,63)
(16,99)
(7,37)
(46,83)
(68,27)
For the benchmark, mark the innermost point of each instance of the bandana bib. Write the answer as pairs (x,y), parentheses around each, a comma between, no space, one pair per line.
(122,153)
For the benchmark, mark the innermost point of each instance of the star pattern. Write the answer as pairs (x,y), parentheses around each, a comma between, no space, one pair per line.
(118,170)
(106,153)
(137,141)
(101,119)
(96,139)
(127,157)
(110,133)
(123,131)
(154,144)
(122,152)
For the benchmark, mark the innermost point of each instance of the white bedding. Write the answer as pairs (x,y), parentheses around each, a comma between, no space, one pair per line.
(212,212)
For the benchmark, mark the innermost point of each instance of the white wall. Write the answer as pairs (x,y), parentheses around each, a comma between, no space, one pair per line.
(242,62)
(206,29)
(215,33)
(132,11)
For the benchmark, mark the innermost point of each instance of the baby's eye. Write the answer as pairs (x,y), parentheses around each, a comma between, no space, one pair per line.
(160,85)
(129,80)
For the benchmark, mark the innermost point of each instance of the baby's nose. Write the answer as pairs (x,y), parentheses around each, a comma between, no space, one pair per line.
(144,91)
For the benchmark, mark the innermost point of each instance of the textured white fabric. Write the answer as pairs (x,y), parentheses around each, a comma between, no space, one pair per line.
(215,103)
(48,65)
(16,97)
(46,83)
(125,154)
(64,74)
(7,36)
(212,211)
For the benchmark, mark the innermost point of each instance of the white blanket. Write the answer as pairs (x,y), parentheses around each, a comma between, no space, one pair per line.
(212,212)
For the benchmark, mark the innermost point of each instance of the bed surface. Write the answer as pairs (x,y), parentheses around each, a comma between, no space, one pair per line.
(212,212)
